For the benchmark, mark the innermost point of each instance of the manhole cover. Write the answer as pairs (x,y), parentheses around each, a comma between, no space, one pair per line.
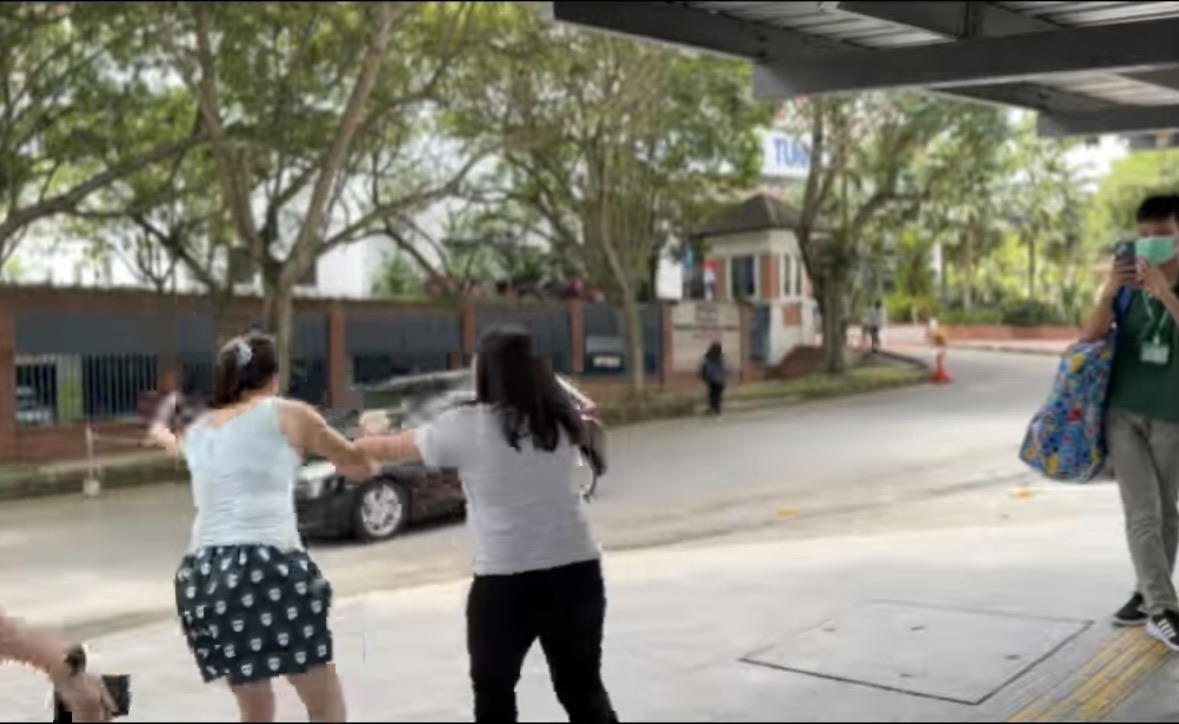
(941,653)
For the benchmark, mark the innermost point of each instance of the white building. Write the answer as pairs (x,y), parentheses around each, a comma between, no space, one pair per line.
(756,258)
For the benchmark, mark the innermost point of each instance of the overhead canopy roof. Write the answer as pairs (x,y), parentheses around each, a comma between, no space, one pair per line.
(1089,68)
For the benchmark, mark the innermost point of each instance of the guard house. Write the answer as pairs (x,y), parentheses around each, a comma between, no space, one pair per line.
(756,259)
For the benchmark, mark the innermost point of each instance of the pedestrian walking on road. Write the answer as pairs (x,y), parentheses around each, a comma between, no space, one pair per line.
(252,603)
(874,324)
(1142,425)
(715,376)
(537,567)
(84,695)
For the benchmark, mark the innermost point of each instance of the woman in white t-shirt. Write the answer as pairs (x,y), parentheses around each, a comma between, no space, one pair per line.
(537,567)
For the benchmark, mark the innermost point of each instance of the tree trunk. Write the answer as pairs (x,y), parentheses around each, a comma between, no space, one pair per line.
(1031,267)
(968,270)
(636,362)
(943,280)
(834,324)
(278,314)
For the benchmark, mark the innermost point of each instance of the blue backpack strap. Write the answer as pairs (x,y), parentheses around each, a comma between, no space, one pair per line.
(1125,298)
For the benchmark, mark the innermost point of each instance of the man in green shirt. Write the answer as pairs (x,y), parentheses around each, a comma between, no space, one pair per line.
(1142,425)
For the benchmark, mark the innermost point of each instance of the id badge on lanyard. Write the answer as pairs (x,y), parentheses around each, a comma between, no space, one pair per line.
(1155,351)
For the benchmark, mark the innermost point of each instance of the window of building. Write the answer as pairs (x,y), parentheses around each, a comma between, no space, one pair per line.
(792,274)
(743,277)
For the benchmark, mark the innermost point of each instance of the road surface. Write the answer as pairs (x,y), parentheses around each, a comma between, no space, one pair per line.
(106,564)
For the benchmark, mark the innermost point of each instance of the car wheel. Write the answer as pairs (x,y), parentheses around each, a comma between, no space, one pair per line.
(585,477)
(381,510)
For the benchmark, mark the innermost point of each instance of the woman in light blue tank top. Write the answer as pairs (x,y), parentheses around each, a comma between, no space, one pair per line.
(252,603)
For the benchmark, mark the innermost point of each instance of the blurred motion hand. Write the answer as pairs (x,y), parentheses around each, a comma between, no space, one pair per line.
(375,422)
(86,697)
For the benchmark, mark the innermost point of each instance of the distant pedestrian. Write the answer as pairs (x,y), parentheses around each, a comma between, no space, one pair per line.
(252,603)
(874,324)
(715,376)
(538,574)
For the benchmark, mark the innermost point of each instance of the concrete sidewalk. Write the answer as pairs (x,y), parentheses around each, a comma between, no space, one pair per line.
(975,606)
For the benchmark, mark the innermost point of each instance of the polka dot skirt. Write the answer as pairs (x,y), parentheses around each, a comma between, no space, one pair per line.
(253,612)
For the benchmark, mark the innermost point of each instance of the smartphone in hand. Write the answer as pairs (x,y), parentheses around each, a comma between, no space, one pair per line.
(1126,256)
(120,691)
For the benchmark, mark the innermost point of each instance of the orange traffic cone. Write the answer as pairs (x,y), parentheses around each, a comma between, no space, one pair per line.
(940,375)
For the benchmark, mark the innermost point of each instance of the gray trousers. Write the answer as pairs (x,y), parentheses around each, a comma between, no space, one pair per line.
(1145,456)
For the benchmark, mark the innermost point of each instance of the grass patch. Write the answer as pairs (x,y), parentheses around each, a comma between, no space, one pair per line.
(857,380)
(657,406)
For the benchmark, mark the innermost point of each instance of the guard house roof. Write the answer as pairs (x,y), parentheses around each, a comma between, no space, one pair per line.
(1089,68)
(758,213)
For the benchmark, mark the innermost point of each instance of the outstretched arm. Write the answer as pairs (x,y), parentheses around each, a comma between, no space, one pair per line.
(399,448)
(84,695)
(308,432)
(159,434)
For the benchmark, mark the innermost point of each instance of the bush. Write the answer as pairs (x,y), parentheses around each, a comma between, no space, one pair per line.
(1032,313)
(1022,313)
(983,315)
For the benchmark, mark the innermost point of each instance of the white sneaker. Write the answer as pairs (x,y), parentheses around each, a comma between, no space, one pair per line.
(1165,628)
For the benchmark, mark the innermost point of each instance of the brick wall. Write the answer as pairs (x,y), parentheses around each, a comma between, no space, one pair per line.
(998,333)
(770,281)
(161,312)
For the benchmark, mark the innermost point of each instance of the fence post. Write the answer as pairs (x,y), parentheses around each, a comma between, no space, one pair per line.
(92,485)
(577,336)
(337,356)
(7,384)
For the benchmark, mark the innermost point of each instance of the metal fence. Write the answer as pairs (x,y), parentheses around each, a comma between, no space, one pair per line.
(390,345)
(67,389)
(605,329)
(549,327)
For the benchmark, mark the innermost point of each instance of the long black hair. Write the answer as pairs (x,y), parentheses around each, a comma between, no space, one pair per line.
(244,364)
(523,391)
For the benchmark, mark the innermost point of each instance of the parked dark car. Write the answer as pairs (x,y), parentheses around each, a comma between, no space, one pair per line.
(329,506)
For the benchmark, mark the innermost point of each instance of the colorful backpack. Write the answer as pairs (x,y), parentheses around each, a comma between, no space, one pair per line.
(1066,438)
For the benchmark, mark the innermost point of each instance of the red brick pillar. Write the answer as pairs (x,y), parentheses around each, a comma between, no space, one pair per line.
(769,282)
(577,336)
(666,368)
(339,372)
(7,384)
(469,329)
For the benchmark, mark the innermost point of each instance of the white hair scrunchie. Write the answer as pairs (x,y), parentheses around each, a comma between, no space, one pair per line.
(243,352)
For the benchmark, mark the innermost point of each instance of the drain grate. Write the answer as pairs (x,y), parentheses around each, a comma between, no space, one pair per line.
(954,655)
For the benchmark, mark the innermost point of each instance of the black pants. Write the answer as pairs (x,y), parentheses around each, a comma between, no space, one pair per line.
(563,607)
(716,398)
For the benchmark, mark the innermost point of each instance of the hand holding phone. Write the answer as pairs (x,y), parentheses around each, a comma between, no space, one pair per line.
(117,687)
(1125,266)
